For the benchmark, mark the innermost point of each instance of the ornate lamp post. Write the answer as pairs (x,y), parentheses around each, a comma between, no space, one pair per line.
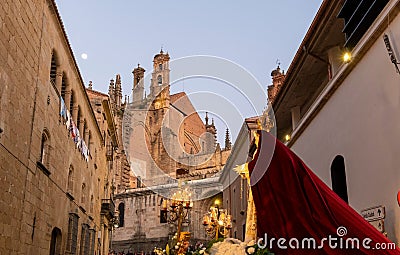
(217,222)
(178,209)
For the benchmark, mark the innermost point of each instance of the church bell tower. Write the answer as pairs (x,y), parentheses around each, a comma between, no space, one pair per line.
(160,75)
(138,84)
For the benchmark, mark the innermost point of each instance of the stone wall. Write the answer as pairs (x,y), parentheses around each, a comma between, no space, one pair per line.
(143,230)
(37,199)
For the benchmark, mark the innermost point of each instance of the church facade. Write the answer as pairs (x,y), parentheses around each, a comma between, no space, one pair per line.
(164,140)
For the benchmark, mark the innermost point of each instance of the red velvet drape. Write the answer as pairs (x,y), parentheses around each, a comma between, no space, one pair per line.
(292,202)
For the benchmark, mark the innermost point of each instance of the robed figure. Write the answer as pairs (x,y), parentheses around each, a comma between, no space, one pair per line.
(293,203)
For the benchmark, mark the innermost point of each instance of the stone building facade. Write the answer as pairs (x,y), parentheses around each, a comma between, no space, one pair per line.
(342,117)
(164,135)
(109,109)
(53,168)
(165,139)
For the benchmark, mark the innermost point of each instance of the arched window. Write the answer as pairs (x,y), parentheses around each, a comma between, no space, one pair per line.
(121,210)
(84,131)
(53,68)
(55,243)
(91,204)
(159,78)
(88,140)
(83,195)
(71,103)
(78,120)
(70,185)
(85,240)
(338,175)
(160,66)
(72,238)
(63,87)
(45,149)
(163,213)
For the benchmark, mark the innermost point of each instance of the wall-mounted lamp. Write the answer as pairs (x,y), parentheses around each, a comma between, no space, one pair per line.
(392,56)
(347,57)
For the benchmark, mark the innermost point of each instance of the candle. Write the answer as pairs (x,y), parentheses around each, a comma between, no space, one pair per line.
(222,216)
(214,213)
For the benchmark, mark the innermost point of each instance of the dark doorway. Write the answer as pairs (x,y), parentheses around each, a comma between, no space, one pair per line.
(55,243)
(338,175)
(121,210)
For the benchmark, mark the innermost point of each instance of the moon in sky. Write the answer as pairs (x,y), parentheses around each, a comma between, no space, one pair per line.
(84,56)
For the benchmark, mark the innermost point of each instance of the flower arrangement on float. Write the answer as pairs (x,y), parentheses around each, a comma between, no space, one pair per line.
(230,246)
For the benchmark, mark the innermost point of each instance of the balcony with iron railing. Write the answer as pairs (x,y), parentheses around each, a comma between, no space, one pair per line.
(107,208)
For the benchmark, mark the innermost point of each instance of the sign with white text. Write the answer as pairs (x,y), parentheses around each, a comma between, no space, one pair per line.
(374,213)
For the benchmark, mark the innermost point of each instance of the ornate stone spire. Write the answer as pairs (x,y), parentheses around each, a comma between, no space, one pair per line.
(212,130)
(228,143)
(118,87)
(111,89)
(118,91)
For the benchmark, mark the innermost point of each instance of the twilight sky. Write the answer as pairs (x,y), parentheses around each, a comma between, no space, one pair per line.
(117,35)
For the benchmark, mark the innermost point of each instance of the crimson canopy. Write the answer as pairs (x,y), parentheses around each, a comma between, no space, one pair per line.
(294,204)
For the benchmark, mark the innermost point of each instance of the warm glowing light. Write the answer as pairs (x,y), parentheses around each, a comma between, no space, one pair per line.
(347,57)
(217,202)
(287,137)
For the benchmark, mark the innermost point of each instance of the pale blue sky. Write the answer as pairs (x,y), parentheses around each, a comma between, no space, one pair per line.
(116,35)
